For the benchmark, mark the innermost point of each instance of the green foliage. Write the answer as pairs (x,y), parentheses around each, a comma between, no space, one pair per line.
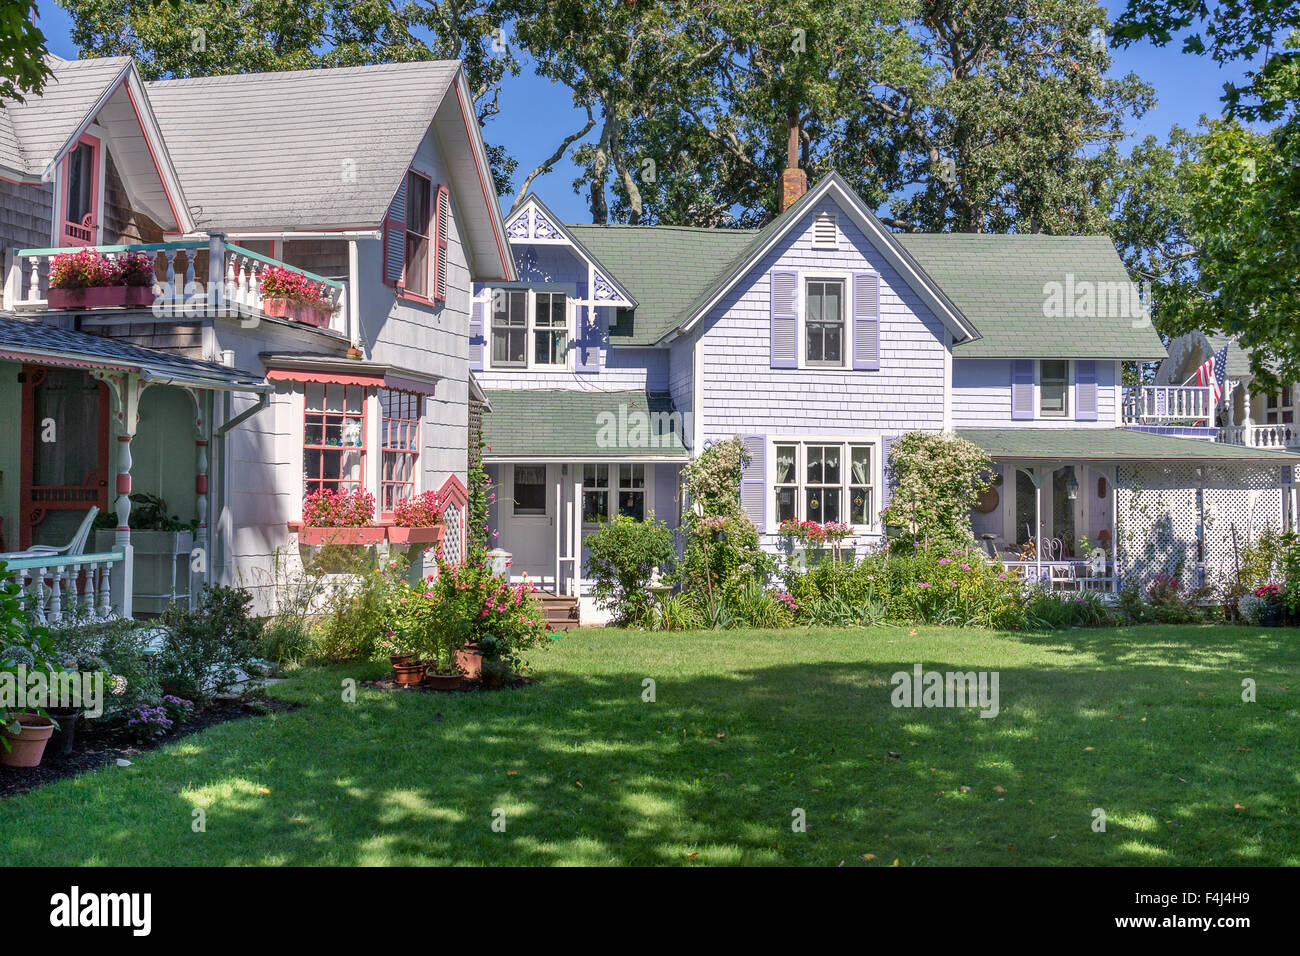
(123,650)
(202,649)
(755,606)
(622,555)
(468,604)
(721,546)
(479,490)
(675,612)
(1049,611)
(937,479)
(358,616)
(22,53)
(148,513)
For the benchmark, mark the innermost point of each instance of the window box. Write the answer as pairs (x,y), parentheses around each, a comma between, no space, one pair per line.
(373,534)
(101,297)
(431,535)
(304,312)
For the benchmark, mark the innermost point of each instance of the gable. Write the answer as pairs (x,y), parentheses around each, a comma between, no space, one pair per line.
(536,234)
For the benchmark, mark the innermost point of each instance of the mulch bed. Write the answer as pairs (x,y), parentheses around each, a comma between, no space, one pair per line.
(467,685)
(98,744)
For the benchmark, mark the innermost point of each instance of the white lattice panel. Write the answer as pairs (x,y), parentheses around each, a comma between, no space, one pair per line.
(454,519)
(1159,517)
(1241,502)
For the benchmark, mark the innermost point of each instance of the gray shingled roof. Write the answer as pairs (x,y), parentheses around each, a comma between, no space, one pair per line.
(998,282)
(40,339)
(39,128)
(268,150)
(544,423)
(664,267)
(1110,444)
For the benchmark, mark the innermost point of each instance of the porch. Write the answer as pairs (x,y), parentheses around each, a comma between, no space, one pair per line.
(80,402)
(1135,504)
(192,278)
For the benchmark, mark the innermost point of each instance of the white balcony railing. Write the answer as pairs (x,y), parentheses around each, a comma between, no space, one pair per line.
(58,589)
(1167,404)
(232,279)
(1261,436)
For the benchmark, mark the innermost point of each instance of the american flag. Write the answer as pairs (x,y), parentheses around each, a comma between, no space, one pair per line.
(1212,373)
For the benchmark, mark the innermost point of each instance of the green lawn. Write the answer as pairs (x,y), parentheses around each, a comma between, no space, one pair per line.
(1145,723)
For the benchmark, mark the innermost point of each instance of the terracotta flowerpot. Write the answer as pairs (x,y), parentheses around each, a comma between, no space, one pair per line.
(408,673)
(316,315)
(495,673)
(398,659)
(101,297)
(470,661)
(28,746)
(443,681)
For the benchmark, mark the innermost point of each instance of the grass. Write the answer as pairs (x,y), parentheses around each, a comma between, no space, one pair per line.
(1145,723)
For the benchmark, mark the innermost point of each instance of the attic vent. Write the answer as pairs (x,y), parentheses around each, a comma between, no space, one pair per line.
(825,235)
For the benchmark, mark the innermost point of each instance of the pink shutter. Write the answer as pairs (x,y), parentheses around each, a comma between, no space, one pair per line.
(395,238)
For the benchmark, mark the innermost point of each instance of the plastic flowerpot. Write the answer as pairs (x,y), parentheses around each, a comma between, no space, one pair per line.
(27,746)
(303,312)
(65,736)
(101,297)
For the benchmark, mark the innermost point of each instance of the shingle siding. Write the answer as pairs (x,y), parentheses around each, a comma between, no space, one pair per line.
(981,397)
(25,215)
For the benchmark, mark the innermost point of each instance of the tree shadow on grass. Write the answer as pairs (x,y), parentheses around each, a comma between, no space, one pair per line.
(582,770)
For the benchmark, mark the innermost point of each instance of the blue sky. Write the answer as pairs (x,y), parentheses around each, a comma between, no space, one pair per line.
(536,114)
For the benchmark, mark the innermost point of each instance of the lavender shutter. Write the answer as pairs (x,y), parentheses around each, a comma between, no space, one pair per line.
(476,332)
(785,320)
(1085,391)
(395,237)
(587,348)
(1022,389)
(866,320)
(753,481)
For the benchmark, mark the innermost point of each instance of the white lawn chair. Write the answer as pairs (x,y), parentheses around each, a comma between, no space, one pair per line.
(73,548)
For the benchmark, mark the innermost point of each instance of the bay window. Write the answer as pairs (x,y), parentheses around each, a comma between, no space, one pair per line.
(523,316)
(824,481)
(400,414)
(631,491)
(333,437)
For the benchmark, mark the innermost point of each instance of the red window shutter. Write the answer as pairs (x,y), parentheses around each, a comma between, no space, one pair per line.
(442,223)
(395,238)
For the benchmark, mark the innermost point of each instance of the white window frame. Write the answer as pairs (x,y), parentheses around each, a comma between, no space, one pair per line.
(569,291)
(1068,412)
(615,486)
(845,278)
(846,485)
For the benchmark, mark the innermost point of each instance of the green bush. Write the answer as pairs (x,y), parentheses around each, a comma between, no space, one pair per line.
(469,604)
(622,555)
(204,648)
(356,619)
(1051,611)
(936,480)
(123,650)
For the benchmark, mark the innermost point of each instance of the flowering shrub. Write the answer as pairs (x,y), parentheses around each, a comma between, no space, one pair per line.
(472,604)
(178,709)
(281,283)
(1272,593)
(147,722)
(422,511)
(87,269)
(346,508)
(937,479)
(622,554)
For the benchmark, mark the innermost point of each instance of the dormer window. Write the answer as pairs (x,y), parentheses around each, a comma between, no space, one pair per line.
(81,195)
(530,328)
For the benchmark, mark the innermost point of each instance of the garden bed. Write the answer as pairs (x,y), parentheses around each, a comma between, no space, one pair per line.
(99,745)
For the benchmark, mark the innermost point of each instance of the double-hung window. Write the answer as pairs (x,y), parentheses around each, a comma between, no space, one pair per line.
(400,414)
(419,216)
(333,437)
(825,481)
(530,328)
(1053,388)
(824,322)
(1280,407)
(628,492)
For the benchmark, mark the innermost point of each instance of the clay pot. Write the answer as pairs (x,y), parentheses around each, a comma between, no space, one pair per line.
(443,681)
(408,674)
(470,661)
(398,659)
(28,746)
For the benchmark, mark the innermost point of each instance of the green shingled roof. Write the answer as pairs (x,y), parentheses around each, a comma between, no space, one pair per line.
(574,423)
(664,267)
(998,283)
(1110,444)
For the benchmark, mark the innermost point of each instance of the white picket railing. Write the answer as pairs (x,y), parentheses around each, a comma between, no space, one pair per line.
(1261,436)
(1160,404)
(234,275)
(57,589)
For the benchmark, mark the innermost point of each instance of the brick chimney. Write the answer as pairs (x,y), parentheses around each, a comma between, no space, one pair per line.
(794,182)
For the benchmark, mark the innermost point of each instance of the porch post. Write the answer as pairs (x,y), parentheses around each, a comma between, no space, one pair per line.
(559,530)
(1247,425)
(1037,477)
(125,389)
(577,529)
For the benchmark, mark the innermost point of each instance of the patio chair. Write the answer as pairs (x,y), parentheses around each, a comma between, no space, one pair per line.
(73,548)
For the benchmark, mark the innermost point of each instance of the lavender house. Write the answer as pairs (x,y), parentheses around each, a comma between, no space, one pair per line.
(623,350)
